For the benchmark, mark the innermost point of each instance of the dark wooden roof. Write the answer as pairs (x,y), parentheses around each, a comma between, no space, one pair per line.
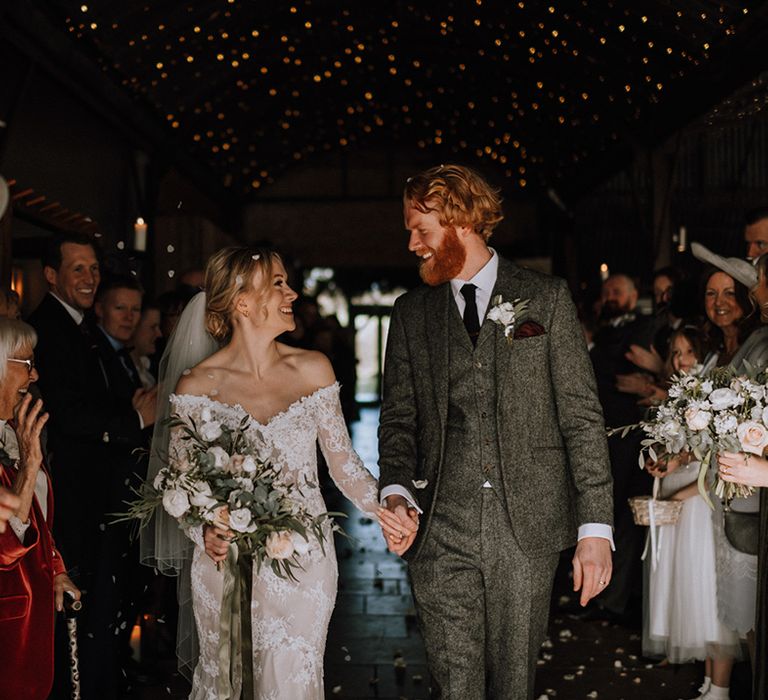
(544,93)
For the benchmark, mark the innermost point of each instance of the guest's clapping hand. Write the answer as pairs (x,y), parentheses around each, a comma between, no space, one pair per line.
(145,402)
(217,541)
(743,468)
(635,383)
(9,502)
(63,584)
(29,424)
(649,360)
(403,521)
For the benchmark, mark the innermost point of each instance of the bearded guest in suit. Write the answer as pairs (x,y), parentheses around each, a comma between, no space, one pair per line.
(33,577)
(84,423)
(491,430)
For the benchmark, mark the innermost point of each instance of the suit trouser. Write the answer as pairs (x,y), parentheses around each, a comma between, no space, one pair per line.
(482,603)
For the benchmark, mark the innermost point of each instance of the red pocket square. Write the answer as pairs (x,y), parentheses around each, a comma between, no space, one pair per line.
(529,329)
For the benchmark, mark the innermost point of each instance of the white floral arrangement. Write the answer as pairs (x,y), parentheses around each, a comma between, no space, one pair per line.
(507,314)
(705,415)
(217,478)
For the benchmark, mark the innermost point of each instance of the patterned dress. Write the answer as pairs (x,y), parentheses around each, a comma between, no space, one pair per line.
(289,619)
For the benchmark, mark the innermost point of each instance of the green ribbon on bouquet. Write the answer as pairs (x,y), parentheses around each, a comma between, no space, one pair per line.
(235,640)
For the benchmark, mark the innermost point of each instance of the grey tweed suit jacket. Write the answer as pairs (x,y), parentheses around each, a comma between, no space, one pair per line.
(554,455)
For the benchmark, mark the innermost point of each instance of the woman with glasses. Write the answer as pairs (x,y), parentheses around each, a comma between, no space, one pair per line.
(33,579)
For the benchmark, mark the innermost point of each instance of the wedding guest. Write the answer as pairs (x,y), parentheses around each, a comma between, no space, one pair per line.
(9,304)
(84,423)
(681,620)
(118,312)
(621,325)
(756,232)
(737,344)
(753,471)
(33,578)
(144,344)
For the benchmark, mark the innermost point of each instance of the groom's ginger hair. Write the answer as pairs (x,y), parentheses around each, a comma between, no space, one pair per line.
(459,195)
(228,273)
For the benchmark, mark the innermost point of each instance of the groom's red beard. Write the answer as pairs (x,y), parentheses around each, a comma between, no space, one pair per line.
(446,262)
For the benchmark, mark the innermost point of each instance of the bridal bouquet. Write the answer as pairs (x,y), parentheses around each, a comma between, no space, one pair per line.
(706,415)
(216,477)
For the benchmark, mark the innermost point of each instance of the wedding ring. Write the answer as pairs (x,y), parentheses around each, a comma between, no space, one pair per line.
(602,583)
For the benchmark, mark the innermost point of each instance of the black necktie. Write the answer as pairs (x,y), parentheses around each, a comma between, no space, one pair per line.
(127,361)
(471,321)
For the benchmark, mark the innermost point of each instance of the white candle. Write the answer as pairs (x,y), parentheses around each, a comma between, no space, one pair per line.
(140,235)
(604,272)
(681,240)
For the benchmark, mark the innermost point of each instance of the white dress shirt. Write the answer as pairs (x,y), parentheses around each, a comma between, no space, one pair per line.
(484,281)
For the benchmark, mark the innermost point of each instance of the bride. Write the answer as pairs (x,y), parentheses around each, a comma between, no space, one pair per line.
(291,397)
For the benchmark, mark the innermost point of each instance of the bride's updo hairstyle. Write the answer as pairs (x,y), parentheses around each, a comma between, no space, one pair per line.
(229,272)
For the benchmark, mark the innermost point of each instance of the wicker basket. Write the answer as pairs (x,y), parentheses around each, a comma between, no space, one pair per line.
(664,512)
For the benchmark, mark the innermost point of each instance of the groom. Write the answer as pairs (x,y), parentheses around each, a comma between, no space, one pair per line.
(492,431)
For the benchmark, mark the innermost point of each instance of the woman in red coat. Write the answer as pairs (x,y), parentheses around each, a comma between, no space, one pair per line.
(33,578)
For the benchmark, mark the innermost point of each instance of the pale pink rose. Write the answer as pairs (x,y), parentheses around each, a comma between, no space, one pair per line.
(221,517)
(697,419)
(235,463)
(753,437)
(280,545)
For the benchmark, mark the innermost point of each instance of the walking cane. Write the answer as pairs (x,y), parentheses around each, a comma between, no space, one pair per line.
(71,608)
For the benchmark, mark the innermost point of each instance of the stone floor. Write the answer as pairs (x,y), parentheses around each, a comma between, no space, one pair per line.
(374,648)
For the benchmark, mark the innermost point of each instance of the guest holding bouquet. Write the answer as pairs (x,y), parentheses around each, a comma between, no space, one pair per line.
(682,623)
(33,578)
(752,470)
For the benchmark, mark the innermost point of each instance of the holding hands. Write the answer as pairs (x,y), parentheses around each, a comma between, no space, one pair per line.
(399,524)
(743,468)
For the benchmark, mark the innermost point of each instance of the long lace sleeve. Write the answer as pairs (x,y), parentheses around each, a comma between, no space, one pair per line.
(345,466)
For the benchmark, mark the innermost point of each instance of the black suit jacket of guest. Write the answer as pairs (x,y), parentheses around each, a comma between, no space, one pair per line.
(85,421)
(611,344)
(126,463)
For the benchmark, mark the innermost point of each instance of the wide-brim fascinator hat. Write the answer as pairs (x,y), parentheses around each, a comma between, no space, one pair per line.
(741,270)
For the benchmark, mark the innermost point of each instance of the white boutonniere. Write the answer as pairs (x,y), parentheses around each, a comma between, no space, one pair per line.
(507,314)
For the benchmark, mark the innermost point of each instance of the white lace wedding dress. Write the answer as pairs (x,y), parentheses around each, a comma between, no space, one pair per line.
(289,619)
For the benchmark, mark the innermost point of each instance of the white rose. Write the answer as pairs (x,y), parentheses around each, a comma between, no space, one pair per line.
(753,437)
(725,423)
(240,520)
(175,501)
(245,483)
(765,416)
(300,545)
(210,431)
(201,496)
(502,313)
(220,456)
(673,436)
(249,465)
(205,415)
(696,419)
(279,545)
(724,398)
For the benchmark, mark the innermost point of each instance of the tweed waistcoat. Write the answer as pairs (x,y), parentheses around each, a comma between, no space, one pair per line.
(472,444)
